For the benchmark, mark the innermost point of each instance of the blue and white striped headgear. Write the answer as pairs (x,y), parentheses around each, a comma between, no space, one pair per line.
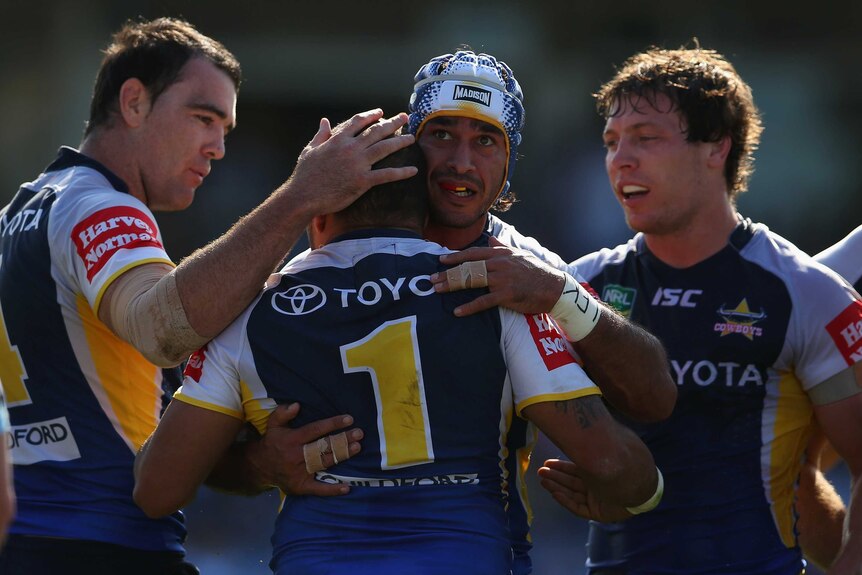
(473,86)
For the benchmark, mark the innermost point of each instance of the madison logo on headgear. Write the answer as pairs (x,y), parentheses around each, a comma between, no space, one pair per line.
(472,94)
(299,300)
(98,237)
(846,332)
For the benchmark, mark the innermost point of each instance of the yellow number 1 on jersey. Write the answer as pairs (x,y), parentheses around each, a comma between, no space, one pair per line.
(12,372)
(390,355)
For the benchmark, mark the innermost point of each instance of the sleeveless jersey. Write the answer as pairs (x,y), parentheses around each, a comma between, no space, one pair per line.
(748,331)
(845,257)
(81,401)
(356,327)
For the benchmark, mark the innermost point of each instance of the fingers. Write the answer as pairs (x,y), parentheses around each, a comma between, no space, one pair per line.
(324,132)
(330,450)
(358,123)
(467,275)
(470,254)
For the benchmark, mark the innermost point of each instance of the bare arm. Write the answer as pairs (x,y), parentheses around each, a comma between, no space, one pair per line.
(7,491)
(613,467)
(841,422)
(276,458)
(213,285)
(179,455)
(626,362)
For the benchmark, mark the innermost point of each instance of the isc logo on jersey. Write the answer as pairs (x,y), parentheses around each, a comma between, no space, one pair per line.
(846,332)
(98,237)
(549,341)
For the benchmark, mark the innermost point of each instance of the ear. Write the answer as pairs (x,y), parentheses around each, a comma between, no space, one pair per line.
(317,231)
(717,152)
(134,101)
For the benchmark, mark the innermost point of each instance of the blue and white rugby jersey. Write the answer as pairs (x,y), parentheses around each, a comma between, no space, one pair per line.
(356,327)
(845,257)
(748,331)
(81,401)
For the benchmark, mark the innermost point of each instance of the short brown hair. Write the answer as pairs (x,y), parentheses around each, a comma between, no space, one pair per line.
(705,89)
(154,52)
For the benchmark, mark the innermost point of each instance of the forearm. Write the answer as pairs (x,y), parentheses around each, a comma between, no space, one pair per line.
(239,471)
(821,516)
(218,281)
(630,366)
(849,560)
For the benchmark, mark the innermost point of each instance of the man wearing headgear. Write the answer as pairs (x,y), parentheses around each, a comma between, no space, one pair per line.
(467,113)
(355,326)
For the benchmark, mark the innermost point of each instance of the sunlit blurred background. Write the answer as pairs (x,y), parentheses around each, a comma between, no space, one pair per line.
(304,60)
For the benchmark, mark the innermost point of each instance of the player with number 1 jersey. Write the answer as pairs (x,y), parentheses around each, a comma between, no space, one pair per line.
(356,327)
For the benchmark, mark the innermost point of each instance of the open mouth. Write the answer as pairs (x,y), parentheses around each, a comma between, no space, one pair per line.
(631,191)
(458,190)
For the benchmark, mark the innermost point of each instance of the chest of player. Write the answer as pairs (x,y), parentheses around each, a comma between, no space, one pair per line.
(723,322)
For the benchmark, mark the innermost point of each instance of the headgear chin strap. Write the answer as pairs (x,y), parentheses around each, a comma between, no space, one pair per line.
(474,86)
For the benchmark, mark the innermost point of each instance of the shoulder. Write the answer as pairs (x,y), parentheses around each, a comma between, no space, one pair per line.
(592,265)
(845,257)
(507,234)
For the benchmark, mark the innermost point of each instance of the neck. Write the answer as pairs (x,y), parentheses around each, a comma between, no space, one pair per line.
(109,150)
(699,240)
(454,238)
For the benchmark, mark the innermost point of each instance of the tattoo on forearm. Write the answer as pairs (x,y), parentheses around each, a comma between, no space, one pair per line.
(586,409)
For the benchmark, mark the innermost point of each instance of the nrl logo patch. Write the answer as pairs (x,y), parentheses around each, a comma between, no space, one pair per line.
(472,94)
(620,298)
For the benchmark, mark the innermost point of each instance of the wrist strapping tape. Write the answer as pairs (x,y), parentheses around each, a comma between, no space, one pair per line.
(653,501)
(576,312)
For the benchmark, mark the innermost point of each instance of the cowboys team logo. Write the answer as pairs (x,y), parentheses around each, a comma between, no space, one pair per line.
(299,300)
(740,320)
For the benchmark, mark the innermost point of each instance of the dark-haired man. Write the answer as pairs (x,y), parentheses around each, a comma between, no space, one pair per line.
(92,304)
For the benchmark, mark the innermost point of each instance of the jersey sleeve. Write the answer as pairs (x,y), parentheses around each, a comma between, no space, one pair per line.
(211,379)
(540,361)
(827,322)
(103,234)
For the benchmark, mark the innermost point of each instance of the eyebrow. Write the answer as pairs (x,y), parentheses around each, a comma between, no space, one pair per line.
(213,110)
(481,125)
(633,127)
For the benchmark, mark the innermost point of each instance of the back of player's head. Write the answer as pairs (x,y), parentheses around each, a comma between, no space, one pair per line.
(400,204)
(713,101)
(475,86)
(154,52)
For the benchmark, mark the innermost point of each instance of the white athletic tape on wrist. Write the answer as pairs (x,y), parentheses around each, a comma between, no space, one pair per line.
(467,275)
(576,312)
(653,501)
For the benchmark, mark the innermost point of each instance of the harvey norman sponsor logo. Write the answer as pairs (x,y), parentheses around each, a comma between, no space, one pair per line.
(549,341)
(846,332)
(49,440)
(472,94)
(98,237)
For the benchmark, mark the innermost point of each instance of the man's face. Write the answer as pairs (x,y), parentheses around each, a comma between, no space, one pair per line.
(466,166)
(183,133)
(658,177)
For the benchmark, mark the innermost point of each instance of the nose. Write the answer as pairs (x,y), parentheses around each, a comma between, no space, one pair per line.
(622,156)
(461,158)
(214,148)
